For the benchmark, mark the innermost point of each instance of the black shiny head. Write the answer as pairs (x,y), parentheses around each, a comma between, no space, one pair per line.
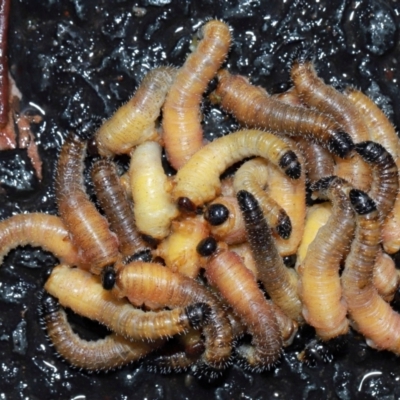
(290,261)
(207,246)
(247,202)
(361,202)
(186,205)
(216,214)
(143,256)
(198,314)
(370,151)
(341,144)
(290,164)
(284,227)
(108,277)
(49,304)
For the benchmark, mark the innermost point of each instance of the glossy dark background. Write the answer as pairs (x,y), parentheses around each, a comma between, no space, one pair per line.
(78,60)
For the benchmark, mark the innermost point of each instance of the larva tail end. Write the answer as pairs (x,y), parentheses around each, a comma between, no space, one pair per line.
(108,277)
(361,202)
(341,144)
(198,314)
(284,227)
(216,214)
(207,246)
(290,164)
(370,151)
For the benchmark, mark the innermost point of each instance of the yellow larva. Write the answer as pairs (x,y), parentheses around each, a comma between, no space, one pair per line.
(153,207)
(134,122)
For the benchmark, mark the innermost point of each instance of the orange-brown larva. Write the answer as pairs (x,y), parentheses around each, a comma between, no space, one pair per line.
(37,229)
(315,93)
(182,131)
(116,206)
(319,284)
(372,316)
(385,182)
(199,180)
(239,288)
(134,122)
(112,352)
(279,281)
(83,293)
(89,230)
(253,107)
(382,132)
(145,281)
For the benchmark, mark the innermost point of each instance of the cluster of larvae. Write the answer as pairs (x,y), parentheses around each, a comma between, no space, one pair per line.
(201,259)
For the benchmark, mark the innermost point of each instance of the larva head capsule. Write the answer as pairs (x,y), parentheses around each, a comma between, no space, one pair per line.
(291,165)
(370,151)
(361,202)
(216,214)
(341,144)
(198,314)
(108,277)
(49,304)
(284,227)
(207,246)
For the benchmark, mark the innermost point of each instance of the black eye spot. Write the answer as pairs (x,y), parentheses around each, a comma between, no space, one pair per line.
(216,214)
(186,205)
(207,246)
(108,278)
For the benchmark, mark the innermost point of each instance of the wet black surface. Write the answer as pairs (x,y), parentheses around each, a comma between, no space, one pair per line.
(78,60)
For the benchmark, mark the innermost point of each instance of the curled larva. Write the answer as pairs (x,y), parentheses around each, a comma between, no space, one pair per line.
(37,229)
(199,180)
(385,182)
(319,163)
(279,281)
(385,277)
(289,195)
(153,207)
(116,206)
(372,316)
(239,288)
(253,177)
(83,293)
(134,122)
(253,107)
(111,352)
(90,233)
(145,281)
(319,284)
(314,92)
(182,131)
(231,230)
(178,250)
